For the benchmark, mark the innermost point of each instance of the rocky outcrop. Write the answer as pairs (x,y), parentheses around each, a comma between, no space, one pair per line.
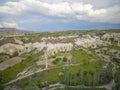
(59,38)
(51,49)
(58,47)
(10,48)
(113,36)
(88,41)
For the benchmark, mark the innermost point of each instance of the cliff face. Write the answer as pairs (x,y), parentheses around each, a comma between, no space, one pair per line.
(28,47)
(52,48)
(91,53)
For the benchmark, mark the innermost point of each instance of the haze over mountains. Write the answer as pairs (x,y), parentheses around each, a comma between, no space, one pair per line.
(14,31)
(10,31)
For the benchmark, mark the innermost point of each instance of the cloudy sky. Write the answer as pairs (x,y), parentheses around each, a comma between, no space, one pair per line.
(52,15)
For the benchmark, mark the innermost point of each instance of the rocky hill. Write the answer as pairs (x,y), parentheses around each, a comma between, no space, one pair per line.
(10,31)
(47,60)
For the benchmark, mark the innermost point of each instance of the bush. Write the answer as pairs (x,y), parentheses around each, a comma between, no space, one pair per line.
(64,59)
(53,56)
(56,61)
(117,79)
(15,54)
(116,60)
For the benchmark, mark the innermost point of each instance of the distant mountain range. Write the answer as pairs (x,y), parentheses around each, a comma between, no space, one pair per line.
(14,31)
(9,31)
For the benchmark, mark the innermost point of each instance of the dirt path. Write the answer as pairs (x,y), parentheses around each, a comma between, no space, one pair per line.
(19,78)
(108,86)
(40,70)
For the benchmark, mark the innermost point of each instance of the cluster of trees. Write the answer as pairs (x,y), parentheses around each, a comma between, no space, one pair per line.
(4,56)
(43,84)
(86,78)
(117,79)
(116,61)
(57,60)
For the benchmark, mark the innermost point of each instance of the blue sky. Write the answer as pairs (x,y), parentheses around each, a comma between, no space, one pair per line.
(56,15)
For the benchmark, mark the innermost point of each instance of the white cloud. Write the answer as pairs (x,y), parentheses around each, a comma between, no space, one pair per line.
(9,24)
(58,9)
(78,10)
(113,14)
(13,8)
(87,9)
(0,26)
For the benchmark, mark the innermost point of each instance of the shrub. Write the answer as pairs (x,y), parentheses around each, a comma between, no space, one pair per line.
(15,54)
(64,59)
(56,61)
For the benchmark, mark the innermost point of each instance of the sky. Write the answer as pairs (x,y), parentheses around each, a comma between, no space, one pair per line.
(56,15)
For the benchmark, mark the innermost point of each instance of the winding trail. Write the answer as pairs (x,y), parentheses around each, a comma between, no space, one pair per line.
(19,78)
(108,86)
(40,70)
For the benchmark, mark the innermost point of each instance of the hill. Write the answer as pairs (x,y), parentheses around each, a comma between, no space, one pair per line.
(9,31)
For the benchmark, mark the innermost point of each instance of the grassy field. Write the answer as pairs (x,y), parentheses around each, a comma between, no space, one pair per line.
(40,79)
(11,72)
(4,57)
(80,56)
(86,72)
(81,89)
(87,67)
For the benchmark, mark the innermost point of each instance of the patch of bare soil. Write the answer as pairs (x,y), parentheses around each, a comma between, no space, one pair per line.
(10,62)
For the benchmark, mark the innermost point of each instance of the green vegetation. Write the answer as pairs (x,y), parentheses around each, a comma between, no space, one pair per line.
(15,54)
(64,59)
(7,40)
(56,61)
(41,79)
(117,60)
(11,72)
(30,60)
(117,74)
(86,72)
(117,79)
(77,75)
(59,61)
(67,88)
(80,56)
(69,68)
(52,76)
(4,56)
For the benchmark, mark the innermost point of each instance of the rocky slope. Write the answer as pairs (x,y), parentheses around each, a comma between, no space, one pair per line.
(9,31)
(52,48)
(91,55)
